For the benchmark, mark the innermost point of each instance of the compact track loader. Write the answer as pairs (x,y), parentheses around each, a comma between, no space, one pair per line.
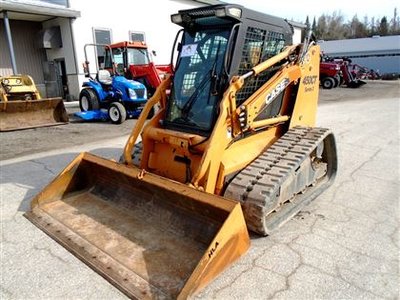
(21,106)
(233,147)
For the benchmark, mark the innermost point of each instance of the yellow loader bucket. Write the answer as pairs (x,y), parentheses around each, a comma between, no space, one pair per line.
(151,237)
(21,114)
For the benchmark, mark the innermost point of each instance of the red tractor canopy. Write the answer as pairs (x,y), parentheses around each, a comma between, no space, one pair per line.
(134,61)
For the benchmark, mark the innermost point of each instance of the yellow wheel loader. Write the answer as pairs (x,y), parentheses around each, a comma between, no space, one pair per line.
(233,147)
(21,106)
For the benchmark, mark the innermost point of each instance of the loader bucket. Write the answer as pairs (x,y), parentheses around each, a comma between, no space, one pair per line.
(151,237)
(21,114)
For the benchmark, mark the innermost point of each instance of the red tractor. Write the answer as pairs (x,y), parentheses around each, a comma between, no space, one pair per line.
(329,74)
(133,60)
(335,71)
(351,74)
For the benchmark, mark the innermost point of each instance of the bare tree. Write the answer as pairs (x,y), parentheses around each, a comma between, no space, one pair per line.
(373,28)
(330,27)
(334,27)
(394,24)
(358,29)
(321,28)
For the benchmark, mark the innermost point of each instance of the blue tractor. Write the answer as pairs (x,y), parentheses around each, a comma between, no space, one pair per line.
(109,96)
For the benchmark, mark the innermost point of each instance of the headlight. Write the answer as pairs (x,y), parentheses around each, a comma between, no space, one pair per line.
(177,18)
(220,12)
(132,94)
(5,81)
(234,11)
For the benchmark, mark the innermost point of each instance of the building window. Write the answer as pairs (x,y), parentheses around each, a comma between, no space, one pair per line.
(101,36)
(137,36)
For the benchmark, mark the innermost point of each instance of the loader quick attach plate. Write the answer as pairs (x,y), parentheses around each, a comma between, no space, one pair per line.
(149,236)
(19,114)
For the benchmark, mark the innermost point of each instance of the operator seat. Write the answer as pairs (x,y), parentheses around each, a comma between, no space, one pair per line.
(104,77)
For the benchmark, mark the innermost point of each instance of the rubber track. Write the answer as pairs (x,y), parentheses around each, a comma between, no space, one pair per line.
(136,153)
(258,186)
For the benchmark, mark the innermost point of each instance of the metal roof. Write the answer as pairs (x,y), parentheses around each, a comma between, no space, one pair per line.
(209,2)
(31,10)
(365,46)
(297,24)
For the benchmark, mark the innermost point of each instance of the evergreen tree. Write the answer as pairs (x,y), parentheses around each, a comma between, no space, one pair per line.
(314,26)
(305,31)
(307,23)
(383,27)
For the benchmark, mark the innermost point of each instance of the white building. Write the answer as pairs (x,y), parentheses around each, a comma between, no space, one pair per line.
(297,31)
(48,36)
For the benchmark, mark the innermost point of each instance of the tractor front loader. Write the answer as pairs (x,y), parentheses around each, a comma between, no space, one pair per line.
(233,147)
(21,106)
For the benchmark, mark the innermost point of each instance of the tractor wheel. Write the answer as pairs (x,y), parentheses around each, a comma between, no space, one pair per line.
(88,100)
(151,113)
(117,113)
(328,83)
(337,81)
(136,153)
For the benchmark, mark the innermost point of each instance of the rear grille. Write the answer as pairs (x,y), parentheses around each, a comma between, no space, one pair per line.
(259,45)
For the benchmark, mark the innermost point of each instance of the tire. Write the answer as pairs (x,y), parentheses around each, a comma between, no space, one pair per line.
(151,113)
(88,100)
(341,80)
(328,83)
(154,110)
(337,81)
(136,153)
(117,113)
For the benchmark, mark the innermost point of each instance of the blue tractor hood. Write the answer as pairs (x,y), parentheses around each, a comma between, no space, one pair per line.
(120,83)
(132,84)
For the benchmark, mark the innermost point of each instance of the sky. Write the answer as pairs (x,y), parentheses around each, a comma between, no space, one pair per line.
(297,10)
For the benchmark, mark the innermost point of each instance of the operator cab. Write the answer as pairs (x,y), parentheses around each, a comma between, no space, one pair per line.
(217,43)
(126,54)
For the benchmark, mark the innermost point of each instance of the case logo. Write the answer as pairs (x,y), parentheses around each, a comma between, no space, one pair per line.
(277,90)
